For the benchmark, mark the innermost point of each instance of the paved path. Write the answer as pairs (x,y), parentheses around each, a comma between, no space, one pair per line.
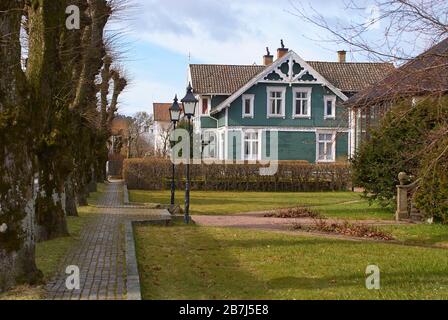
(100,255)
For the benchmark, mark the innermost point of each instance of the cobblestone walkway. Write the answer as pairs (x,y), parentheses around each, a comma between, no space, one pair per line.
(100,255)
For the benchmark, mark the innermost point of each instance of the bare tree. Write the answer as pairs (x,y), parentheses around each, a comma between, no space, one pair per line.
(389,30)
(165,142)
(139,125)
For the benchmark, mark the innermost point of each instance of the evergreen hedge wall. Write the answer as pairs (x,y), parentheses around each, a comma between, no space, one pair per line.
(155,174)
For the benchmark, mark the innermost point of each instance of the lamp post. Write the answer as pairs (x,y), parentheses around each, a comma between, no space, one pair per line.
(175,117)
(189,103)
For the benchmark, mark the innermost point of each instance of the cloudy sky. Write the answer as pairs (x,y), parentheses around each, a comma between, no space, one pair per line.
(162,36)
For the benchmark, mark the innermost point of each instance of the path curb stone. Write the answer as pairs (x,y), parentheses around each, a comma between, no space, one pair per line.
(133,278)
(125,194)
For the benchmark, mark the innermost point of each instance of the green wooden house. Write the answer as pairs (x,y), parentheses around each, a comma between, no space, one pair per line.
(295,104)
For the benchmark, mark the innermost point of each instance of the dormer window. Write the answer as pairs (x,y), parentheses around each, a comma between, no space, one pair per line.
(330,107)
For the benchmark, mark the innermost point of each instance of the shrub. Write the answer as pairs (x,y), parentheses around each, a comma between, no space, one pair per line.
(432,194)
(396,145)
(155,174)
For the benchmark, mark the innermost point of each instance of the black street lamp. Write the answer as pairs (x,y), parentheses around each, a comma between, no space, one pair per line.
(189,103)
(175,112)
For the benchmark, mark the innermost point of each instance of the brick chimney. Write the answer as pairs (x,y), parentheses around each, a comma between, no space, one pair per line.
(342,56)
(268,58)
(281,52)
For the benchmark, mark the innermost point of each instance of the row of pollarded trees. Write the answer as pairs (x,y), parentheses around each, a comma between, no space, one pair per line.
(55,116)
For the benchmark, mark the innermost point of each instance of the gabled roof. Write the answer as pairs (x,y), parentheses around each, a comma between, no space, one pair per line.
(349,77)
(221,79)
(352,76)
(426,74)
(162,112)
(289,76)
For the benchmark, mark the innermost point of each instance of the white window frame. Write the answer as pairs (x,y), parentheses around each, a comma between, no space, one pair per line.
(250,97)
(269,90)
(256,152)
(309,92)
(209,106)
(333,99)
(318,141)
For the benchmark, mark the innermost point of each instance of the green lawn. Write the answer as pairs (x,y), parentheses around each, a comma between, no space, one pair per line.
(343,205)
(215,263)
(420,234)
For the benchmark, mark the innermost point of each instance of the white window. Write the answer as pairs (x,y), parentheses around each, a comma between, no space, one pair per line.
(330,107)
(326,147)
(248,105)
(209,144)
(302,103)
(251,145)
(276,102)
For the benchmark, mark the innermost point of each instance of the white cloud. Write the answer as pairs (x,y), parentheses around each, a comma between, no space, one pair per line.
(225,32)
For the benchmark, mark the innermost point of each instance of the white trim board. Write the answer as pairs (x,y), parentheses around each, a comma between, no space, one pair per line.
(289,129)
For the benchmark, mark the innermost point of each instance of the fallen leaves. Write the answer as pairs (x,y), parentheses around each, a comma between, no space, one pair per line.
(297,212)
(346,229)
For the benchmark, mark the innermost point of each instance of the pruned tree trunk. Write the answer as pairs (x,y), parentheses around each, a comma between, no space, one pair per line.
(71,209)
(93,184)
(17,244)
(51,220)
(46,24)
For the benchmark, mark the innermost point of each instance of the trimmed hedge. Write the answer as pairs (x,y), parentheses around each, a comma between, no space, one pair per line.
(155,174)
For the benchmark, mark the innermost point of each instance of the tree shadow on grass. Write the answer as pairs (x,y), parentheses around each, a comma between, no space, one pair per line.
(188,263)
(391,280)
(193,263)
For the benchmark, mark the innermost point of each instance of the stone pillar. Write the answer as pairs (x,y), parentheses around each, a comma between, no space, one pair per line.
(402,198)
(402,203)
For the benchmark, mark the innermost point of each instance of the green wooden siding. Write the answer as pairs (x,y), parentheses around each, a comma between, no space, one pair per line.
(260,109)
(208,123)
(342,146)
(292,145)
(217,100)
(297,146)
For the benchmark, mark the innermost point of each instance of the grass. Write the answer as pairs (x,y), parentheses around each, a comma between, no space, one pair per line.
(343,205)
(420,234)
(215,263)
(49,254)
